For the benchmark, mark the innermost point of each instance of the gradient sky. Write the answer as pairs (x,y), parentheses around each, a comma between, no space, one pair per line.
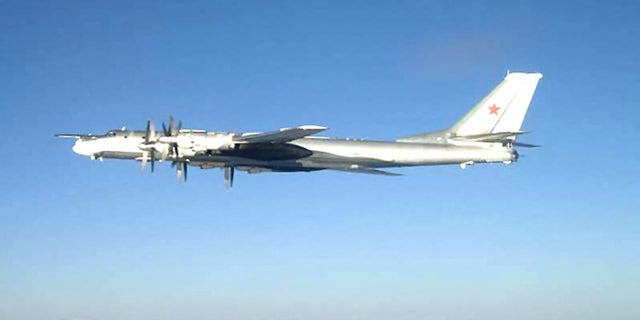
(556,236)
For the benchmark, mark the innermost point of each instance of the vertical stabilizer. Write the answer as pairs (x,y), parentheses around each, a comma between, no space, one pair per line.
(503,110)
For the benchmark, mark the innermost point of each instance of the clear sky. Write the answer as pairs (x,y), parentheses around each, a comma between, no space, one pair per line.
(556,236)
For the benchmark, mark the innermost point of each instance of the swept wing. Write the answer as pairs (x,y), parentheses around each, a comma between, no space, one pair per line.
(361,169)
(280,136)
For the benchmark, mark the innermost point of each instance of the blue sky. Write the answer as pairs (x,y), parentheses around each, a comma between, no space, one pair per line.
(555,236)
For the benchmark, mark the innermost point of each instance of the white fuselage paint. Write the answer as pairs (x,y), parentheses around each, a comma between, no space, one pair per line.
(339,151)
(409,154)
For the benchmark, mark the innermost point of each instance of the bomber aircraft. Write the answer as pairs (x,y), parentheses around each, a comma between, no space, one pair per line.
(487,133)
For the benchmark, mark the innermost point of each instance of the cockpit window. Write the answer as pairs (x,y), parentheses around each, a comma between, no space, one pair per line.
(119,133)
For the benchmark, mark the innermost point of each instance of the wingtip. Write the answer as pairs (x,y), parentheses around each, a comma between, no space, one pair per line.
(514,75)
(312,127)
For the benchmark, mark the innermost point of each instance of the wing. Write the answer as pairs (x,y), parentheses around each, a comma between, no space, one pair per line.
(279,136)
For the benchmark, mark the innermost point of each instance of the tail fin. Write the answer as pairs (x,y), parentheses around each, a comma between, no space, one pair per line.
(501,111)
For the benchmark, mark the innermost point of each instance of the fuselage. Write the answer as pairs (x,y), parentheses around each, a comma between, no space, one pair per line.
(398,154)
(215,149)
(486,133)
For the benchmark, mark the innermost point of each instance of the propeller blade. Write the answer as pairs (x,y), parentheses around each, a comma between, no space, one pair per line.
(178,170)
(229,172)
(175,150)
(143,163)
(151,131)
(153,160)
(184,169)
(164,152)
(148,132)
(172,126)
(181,170)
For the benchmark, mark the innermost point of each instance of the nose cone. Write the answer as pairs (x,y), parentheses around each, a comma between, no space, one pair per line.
(81,148)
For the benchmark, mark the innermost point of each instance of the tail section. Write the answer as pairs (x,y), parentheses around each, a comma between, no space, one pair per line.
(503,110)
(499,114)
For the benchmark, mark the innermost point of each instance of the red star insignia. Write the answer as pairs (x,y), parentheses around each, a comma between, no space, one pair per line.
(494,109)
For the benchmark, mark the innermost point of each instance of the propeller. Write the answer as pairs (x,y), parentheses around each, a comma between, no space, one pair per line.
(165,145)
(171,134)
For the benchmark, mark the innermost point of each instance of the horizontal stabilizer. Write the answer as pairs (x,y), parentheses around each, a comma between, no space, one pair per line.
(280,136)
(526,145)
(491,137)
